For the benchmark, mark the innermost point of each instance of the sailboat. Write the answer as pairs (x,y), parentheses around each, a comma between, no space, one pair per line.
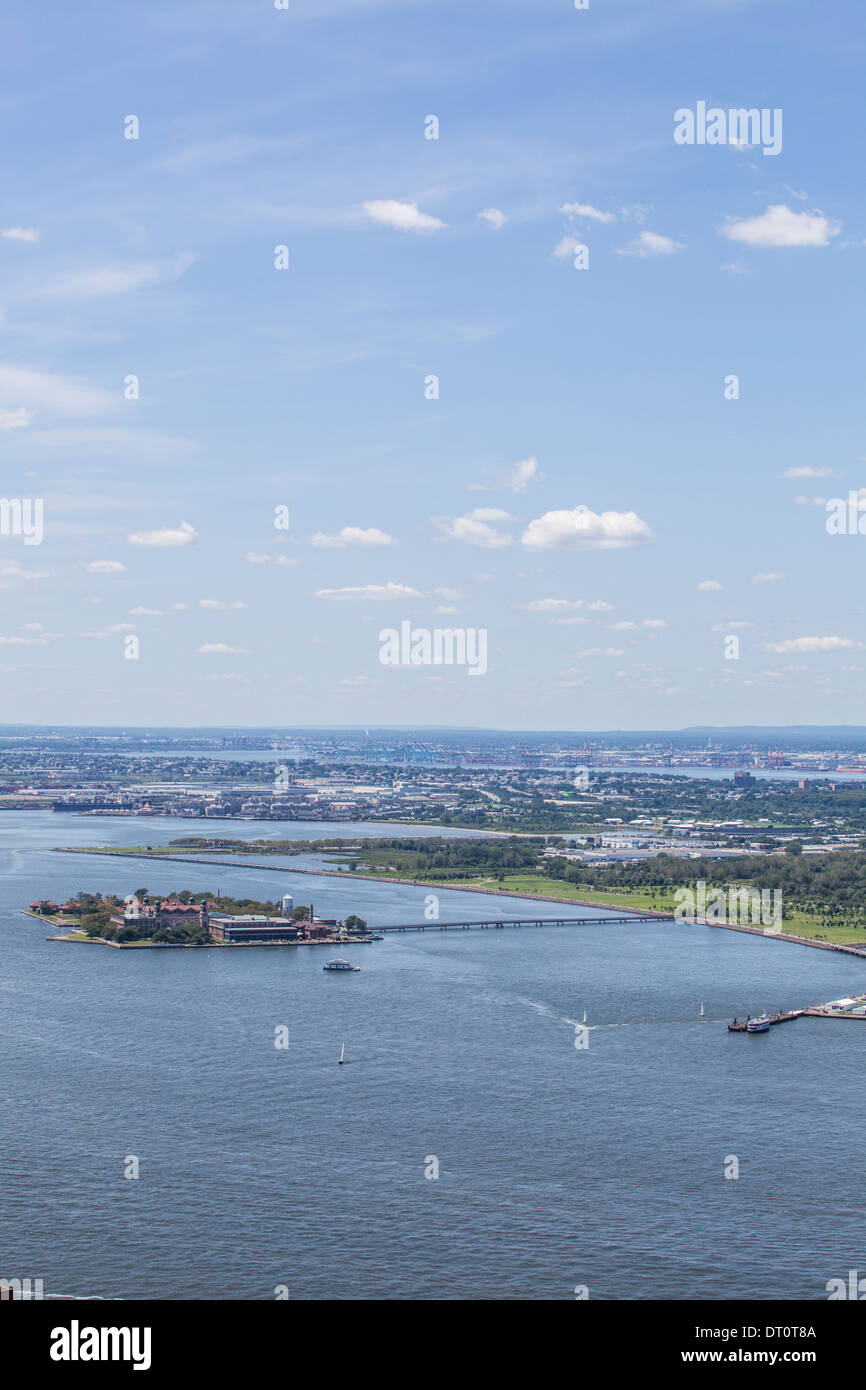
(342,1050)
(584,1015)
(702,1011)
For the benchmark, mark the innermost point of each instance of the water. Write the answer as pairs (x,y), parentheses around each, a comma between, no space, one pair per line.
(557,1166)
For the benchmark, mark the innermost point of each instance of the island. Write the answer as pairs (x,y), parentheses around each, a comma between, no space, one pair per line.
(188,919)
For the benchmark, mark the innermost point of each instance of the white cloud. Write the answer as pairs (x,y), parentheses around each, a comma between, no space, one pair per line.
(493,217)
(601,651)
(118,279)
(259,558)
(20,234)
(371,591)
(587,210)
(11,569)
(166,536)
(812,644)
(215,606)
(516,479)
(624,626)
(651,244)
(474,528)
(449,593)
(103,633)
(15,419)
(709,586)
(218,649)
(582,529)
(446,608)
(145,612)
(405,217)
(19,386)
(551,605)
(807,473)
(811,501)
(566,247)
(352,535)
(525,471)
(104,566)
(781,226)
(768,577)
(653,622)
(135,443)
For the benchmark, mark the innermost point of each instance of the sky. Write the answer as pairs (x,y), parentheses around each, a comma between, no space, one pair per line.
(324,320)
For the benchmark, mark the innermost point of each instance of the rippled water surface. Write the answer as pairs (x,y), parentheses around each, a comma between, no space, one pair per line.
(558,1166)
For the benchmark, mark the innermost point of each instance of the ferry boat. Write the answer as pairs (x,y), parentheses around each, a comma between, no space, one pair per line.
(759,1025)
(340,965)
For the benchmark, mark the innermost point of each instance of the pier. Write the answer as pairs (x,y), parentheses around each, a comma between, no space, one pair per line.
(742,1027)
(853,1006)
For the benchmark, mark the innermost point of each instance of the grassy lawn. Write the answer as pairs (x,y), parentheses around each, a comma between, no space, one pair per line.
(536,885)
(530,885)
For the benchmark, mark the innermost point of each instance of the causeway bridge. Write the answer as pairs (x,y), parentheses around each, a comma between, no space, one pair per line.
(498,924)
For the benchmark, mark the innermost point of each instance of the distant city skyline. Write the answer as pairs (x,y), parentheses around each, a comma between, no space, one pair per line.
(300,348)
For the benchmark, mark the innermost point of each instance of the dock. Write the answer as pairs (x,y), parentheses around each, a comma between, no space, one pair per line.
(742,1027)
(852,1006)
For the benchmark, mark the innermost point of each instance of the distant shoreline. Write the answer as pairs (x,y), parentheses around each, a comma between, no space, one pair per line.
(464,888)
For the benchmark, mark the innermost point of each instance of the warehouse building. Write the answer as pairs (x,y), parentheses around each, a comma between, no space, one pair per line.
(251,929)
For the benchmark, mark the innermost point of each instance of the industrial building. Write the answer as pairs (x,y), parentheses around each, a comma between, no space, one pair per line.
(251,929)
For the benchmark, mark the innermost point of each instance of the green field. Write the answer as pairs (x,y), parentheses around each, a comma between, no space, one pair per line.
(636,900)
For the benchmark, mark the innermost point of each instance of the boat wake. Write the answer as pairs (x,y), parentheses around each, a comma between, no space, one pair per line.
(546,1012)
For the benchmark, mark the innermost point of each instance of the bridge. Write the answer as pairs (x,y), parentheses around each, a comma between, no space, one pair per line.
(499,924)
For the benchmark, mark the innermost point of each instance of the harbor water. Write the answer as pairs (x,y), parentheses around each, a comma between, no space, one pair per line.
(466,1149)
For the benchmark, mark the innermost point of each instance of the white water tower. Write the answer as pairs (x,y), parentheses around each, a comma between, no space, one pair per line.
(288,904)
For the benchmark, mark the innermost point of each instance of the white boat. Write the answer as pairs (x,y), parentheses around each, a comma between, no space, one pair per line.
(702,1011)
(759,1025)
(342,1050)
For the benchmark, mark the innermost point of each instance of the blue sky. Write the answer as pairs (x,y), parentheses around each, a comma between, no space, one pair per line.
(600,389)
